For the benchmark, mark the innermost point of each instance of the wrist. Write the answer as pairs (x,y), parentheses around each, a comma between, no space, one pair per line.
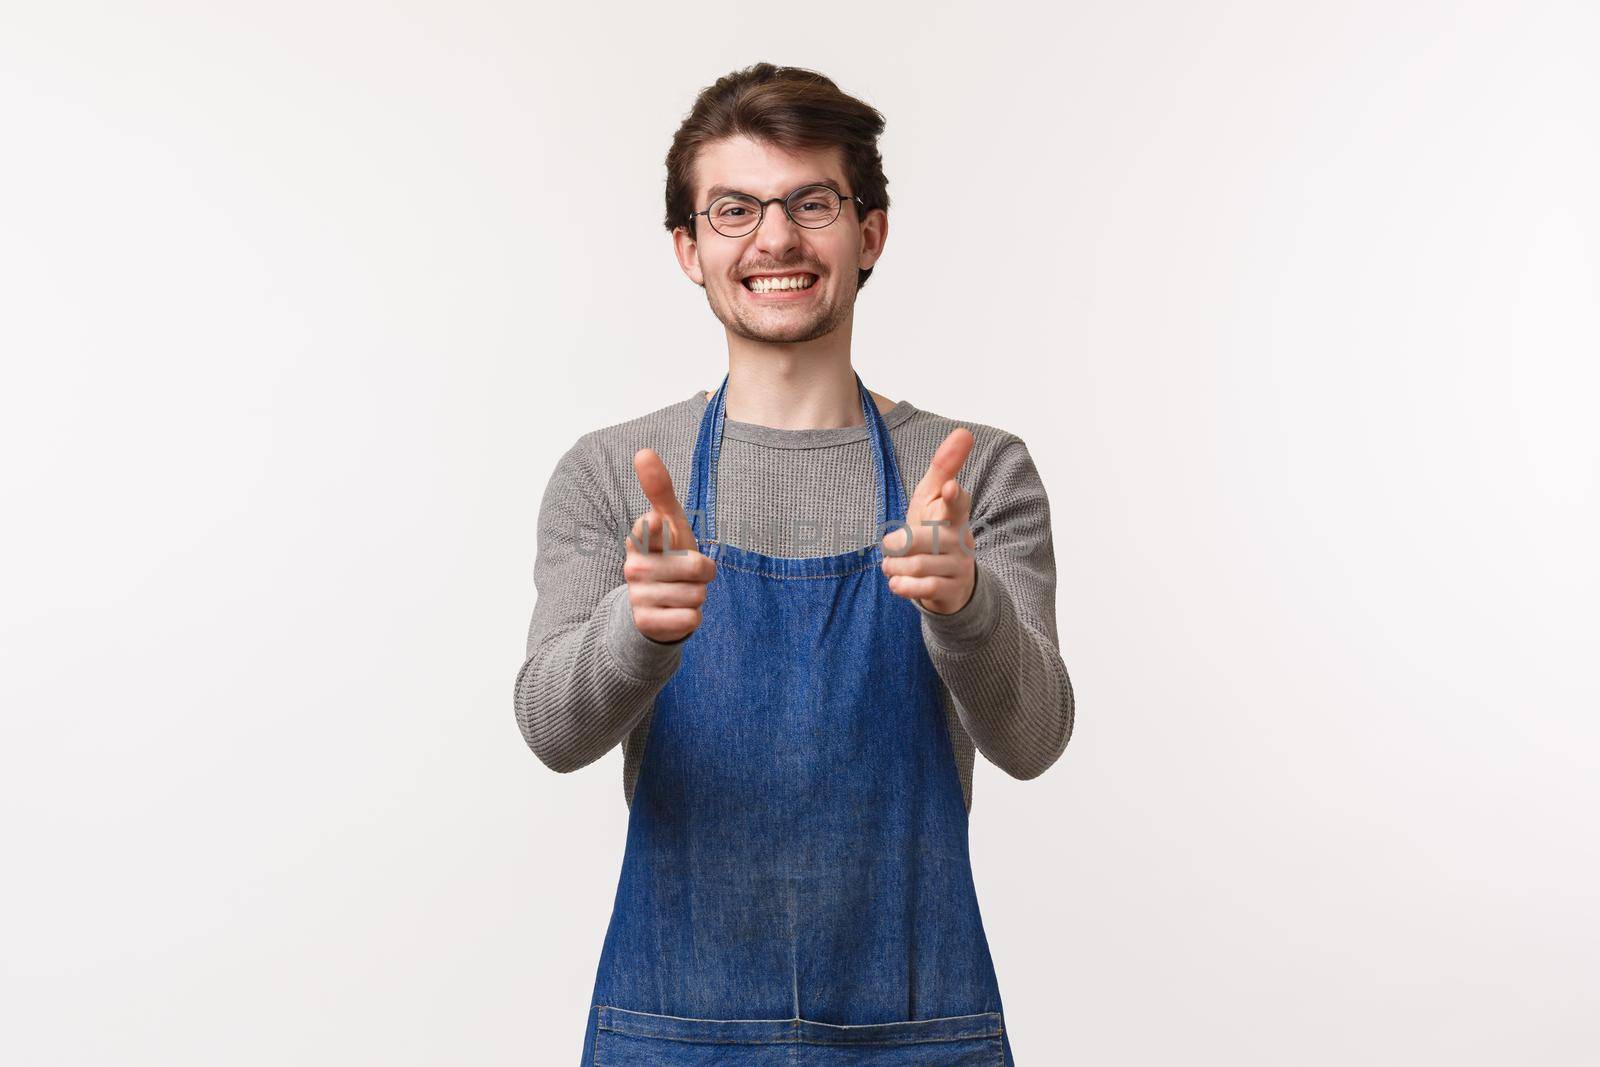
(971,625)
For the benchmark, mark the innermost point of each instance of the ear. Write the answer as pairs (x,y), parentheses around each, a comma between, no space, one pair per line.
(688,253)
(874,232)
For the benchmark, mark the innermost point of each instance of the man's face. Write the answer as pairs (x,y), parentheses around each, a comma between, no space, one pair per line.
(831,255)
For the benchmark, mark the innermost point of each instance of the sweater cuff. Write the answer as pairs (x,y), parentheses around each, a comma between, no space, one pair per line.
(639,657)
(966,630)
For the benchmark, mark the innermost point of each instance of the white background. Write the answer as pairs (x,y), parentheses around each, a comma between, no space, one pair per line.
(1294,304)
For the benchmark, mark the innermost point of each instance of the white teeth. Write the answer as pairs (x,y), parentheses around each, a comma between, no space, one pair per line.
(790,281)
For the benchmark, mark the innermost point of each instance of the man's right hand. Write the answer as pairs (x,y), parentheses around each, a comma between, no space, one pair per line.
(665,588)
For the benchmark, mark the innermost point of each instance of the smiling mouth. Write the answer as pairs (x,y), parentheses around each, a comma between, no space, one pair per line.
(779,283)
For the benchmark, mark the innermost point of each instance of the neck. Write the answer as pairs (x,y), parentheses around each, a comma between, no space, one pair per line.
(785,390)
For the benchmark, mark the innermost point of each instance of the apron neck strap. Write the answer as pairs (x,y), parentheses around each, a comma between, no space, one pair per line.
(701,505)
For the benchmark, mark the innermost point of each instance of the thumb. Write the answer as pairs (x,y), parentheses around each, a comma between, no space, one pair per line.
(657,486)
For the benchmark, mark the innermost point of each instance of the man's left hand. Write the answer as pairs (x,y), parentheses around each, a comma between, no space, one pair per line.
(931,561)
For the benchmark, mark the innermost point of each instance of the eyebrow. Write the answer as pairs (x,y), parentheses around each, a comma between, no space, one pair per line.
(723,190)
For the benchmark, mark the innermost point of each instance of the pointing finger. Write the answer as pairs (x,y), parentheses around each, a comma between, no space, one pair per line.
(946,462)
(657,486)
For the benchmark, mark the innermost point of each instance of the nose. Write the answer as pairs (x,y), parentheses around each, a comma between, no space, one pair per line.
(776,234)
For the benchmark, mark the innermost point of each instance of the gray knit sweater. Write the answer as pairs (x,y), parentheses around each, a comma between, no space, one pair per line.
(590,677)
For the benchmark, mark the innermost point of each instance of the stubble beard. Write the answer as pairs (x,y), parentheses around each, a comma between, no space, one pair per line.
(784,327)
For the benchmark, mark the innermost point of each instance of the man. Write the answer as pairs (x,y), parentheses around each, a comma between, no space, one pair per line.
(798,712)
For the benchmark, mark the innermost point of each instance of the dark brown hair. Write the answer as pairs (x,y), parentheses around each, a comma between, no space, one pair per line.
(791,107)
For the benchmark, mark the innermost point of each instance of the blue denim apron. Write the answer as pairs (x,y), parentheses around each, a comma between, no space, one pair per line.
(796,887)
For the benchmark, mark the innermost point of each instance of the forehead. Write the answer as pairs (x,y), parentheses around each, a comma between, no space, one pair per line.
(762,169)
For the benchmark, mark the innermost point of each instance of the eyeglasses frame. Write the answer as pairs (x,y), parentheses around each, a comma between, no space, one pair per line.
(762,215)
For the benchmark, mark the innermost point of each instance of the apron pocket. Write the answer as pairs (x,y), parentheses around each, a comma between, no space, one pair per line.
(625,1038)
(951,1041)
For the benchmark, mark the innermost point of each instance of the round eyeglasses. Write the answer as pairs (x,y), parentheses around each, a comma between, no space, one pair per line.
(811,206)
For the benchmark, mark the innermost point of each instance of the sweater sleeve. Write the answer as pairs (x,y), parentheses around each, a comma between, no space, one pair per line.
(999,654)
(589,675)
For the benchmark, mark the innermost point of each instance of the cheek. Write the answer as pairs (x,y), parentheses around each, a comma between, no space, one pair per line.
(717,266)
(841,255)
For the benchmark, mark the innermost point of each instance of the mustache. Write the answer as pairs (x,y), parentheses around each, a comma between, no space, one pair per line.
(800,268)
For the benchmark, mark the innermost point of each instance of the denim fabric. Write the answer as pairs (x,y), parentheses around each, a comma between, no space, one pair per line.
(796,887)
